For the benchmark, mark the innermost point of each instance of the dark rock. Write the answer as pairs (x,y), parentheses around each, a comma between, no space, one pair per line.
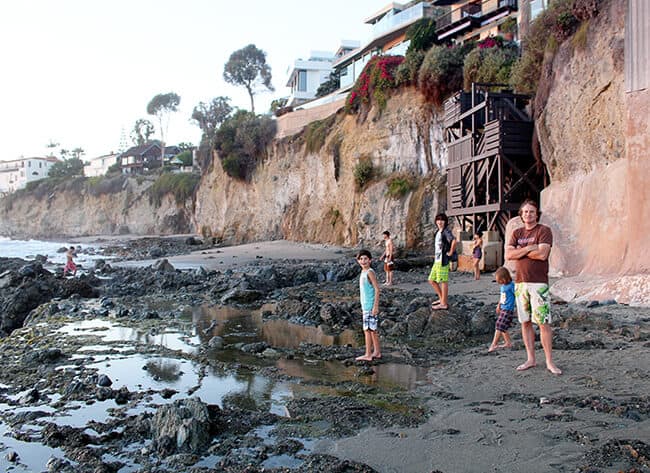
(12,456)
(257,347)
(47,355)
(104,381)
(590,304)
(122,396)
(104,393)
(241,296)
(216,343)
(163,266)
(156,252)
(181,427)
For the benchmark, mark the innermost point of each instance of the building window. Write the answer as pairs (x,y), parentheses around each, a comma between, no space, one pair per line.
(40,164)
(29,164)
(302,81)
(537,7)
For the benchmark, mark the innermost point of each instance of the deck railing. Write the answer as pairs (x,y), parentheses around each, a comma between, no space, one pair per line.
(477,10)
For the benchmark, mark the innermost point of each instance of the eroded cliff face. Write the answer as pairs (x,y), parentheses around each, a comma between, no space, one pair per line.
(303,196)
(592,139)
(70,211)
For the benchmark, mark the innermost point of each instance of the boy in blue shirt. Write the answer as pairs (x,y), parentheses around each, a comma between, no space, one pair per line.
(369,295)
(505,309)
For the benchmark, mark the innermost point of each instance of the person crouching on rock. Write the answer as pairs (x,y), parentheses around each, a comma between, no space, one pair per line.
(69,265)
(369,295)
(505,309)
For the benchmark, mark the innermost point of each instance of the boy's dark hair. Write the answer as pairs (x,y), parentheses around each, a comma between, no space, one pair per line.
(72,248)
(442,216)
(534,204)
(364,253)
(387,233)
(503,274)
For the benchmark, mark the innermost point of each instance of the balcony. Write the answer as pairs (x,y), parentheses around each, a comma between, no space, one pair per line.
(471,15)
(408,16)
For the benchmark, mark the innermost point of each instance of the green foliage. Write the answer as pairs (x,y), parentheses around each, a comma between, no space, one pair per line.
(509,26)
(114,169)
(490,65)
(334,215)
(67,168)
(422,35)
(163,103)
(142,130)
(247,67)
(330,85)
(209,116)
(374,83)
(180,185)
(186,157)
(400,185)
(363,172)
(278,104)
(441,73)
(105,185)
(241,142)
(407,72)
(551,27)
(316,133)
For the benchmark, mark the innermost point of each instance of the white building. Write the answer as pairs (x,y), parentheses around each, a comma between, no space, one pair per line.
(307,75)
(17,173)
(388,36)
(99,165)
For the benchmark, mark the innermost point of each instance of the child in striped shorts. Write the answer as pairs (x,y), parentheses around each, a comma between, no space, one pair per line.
(505,309)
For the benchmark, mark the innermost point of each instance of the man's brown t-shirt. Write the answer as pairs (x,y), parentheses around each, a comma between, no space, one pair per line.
(528,269)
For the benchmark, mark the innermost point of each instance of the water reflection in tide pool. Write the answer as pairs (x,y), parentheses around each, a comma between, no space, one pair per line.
(246,326)
(109,332)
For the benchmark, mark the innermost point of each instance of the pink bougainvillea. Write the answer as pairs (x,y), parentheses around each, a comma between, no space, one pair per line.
(377,77)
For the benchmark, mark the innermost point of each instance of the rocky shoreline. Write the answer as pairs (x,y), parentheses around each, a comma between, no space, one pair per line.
(252,369)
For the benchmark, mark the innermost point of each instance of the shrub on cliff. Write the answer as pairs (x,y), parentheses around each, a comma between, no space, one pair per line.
(374,83)
(104,185)
(181,185)
(551,27)
(317,132)
(363,172)
(490,62)
(407,72)
(241,142)
(441,73)
(400,185)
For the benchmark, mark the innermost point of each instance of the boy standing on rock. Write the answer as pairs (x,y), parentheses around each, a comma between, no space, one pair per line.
(387,258)
(369,295)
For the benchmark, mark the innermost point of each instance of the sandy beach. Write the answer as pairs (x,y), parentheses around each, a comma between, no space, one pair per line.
(465,410)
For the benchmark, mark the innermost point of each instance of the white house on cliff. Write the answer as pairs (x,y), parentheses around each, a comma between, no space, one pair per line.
(17,173)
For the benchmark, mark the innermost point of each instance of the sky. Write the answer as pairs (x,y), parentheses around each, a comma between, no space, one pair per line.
(81,72)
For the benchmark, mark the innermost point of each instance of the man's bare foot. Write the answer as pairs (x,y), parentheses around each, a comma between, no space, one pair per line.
(376,356)
(364,358)
(554,369)
(505,345)
(527,365)
(492,348)
(440,307)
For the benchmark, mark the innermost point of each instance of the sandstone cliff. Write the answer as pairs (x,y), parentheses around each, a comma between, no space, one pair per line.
(595,141)
(312,196)
(73,209)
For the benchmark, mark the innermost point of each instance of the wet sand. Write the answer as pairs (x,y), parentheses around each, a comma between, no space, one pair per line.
(485,415)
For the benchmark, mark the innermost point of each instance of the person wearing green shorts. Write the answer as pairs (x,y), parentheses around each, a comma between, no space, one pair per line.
(445,245)
(529,247)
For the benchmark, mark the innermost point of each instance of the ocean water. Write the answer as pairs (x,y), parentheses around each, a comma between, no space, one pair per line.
(28,249)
